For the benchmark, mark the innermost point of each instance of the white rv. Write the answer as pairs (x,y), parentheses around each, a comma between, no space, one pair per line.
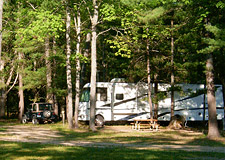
(120,101)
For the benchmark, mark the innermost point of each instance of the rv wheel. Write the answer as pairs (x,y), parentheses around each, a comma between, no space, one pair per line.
(99,121)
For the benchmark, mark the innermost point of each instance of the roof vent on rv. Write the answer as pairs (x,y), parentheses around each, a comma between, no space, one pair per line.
(118,80)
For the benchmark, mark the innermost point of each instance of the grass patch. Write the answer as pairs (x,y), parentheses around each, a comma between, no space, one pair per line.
(164,137)
(25,151)
(4,122)
(109,134)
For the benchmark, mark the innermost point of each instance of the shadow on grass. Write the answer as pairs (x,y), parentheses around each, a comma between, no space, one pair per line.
(113,136)
(207,142)
(172,137)
(25,151)
(106,135)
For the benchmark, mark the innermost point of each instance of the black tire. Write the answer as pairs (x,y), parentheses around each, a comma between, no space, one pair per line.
(41,122)
(35,121)
(24,119)
(54,121)
(47,113)
(99,121)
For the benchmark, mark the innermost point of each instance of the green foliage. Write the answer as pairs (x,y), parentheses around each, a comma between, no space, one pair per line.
(109,12)
(34,79)
(151,15)
(45,24)
(82,58)
(161,95)
(220,4)
(121,47)
(214,43)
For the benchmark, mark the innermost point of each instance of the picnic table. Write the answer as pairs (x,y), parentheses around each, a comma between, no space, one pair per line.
(141,123)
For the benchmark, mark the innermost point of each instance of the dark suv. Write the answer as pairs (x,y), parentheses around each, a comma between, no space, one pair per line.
(40,113)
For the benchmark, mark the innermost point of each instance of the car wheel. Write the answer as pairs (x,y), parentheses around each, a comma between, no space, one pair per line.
(99,121)
(34,121)
(24,120)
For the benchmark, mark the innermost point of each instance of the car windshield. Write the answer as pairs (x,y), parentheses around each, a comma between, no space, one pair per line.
(45,106)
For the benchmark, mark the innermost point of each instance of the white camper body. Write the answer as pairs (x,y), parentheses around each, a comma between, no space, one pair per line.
(120,101)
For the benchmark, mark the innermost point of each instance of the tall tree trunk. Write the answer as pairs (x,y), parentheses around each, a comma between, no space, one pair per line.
(49,97)
(94,20)
(55,102)
(86,54)
(172,72)
(213,131)
(77,69)
(68,70)
(36,96)
(156,97)
(21,95)
(3,98)
(149,79)
(2,64)
(1,12)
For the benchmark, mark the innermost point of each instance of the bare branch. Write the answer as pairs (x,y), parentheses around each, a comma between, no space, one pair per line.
(13,83)
(154,50)
(31,5)
(84,22)
(10,76)
(75,17)
(103,32)
(117,31)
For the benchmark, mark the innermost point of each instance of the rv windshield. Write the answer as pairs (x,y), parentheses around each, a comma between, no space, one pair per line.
(85,96)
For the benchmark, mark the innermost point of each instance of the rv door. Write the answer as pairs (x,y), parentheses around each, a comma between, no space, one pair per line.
(84,105)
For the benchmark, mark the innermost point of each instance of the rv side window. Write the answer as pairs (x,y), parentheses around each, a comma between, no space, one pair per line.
(119,96)
(101,94)
(85,96)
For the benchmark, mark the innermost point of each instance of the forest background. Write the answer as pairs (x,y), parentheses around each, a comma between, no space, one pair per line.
(50,49)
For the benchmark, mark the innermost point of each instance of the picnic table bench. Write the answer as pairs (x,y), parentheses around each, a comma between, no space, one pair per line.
(145,123)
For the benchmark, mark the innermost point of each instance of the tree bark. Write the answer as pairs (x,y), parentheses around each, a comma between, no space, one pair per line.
(77,97)
(156,97)
(55,102)
(3,98)
(94,20)
(68,70)
(172,72)
(2,64)
(21,95)
(149,80)
(213,131)
(86,54)
(49,96)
